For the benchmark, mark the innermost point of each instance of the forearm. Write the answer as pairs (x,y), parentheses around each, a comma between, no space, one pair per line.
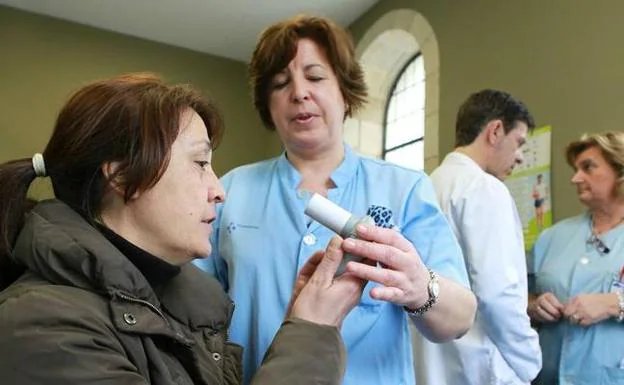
(614,305)
(452,315)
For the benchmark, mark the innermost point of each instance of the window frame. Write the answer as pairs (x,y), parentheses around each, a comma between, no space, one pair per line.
(395,82)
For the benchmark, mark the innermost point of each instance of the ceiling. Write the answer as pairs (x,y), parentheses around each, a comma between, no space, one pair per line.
(227,28)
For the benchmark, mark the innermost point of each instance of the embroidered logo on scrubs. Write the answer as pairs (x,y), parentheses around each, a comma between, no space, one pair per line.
(381,215)
(233,226)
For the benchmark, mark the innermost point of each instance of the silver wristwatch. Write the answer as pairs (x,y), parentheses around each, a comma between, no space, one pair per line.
(434,291)
(620,297)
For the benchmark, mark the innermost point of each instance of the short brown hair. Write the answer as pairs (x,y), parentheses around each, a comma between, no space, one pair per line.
(277,46)
(484,106)
(610,144)
(132,119)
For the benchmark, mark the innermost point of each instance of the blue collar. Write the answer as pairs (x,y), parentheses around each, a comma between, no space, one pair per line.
(340,176)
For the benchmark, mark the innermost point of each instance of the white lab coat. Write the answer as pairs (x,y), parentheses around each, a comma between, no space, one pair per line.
(501,347)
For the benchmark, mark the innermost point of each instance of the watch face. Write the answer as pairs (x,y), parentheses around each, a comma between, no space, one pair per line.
(435,290)
(434,287)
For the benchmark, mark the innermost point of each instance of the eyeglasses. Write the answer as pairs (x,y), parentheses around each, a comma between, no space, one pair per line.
(598,244)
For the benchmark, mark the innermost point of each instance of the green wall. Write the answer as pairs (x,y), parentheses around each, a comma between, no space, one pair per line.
(564,58)
(42,60)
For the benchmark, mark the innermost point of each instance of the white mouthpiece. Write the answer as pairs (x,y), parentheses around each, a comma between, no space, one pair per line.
(327,213)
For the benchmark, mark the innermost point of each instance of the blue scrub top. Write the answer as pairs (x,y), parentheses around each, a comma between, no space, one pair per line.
(262,239)
(566,265)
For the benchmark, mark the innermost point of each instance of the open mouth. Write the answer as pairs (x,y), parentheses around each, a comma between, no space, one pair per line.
(208,221)
(304,117)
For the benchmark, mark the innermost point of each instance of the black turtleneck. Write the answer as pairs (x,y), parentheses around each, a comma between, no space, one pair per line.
(153,268)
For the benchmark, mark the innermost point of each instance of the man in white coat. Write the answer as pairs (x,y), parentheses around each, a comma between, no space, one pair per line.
(501,348)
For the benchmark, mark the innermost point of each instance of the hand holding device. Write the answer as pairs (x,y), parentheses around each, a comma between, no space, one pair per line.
(338,220)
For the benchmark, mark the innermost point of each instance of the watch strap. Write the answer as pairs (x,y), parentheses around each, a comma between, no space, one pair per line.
(433,278)
(620,297)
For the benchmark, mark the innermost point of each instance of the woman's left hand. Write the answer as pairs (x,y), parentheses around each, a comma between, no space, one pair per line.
(404,277)
(319,296)
(588,309)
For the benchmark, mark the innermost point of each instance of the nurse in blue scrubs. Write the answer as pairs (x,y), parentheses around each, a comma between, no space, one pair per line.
(305,81)
(578,303)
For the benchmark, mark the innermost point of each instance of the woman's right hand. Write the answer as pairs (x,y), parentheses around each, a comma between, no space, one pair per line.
(320,297)
(546,308)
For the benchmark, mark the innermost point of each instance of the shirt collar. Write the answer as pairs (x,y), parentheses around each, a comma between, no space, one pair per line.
(459,158)
(347,169)
(340,176)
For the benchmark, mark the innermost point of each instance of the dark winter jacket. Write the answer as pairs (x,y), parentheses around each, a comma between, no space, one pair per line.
(84,314)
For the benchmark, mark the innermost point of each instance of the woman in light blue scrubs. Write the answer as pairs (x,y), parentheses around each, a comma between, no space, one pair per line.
(305,81)
(578,303)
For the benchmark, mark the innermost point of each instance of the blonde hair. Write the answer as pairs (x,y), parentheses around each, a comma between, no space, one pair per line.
(610,144)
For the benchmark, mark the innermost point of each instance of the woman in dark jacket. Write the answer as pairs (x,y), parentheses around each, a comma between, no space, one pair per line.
(97,284)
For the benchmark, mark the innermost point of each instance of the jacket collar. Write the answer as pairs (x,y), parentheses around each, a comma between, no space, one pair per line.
(59,245)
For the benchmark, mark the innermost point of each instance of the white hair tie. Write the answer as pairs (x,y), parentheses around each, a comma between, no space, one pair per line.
(39,165)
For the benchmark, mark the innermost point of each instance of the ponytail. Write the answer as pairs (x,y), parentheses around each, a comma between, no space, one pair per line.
(15,179)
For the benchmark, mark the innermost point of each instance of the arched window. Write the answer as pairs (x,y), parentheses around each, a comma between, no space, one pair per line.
(404,125)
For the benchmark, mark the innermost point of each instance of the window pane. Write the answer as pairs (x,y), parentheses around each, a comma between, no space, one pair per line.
(405,129)
(415,124)
(402,104)
(405,116)
(402,83)
(409,96)
(411,156)
(392,111)
(419,69)
(419,94)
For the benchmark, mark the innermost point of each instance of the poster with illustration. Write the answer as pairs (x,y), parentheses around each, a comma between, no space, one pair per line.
(530,185)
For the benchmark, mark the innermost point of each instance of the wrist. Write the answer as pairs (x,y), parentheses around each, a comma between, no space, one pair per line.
(618,308)
(433,290)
